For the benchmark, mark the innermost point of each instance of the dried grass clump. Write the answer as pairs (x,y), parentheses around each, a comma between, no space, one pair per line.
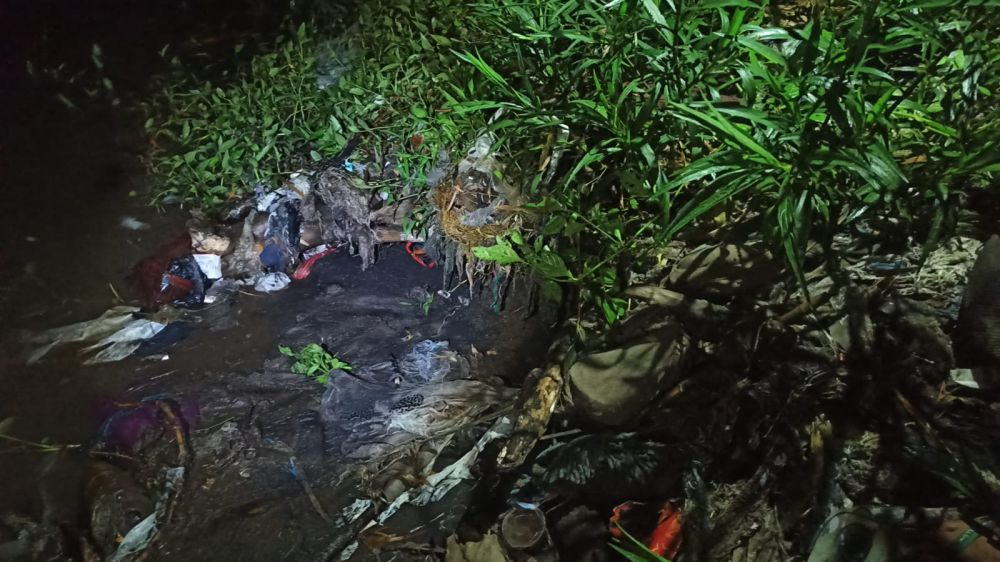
(453,203)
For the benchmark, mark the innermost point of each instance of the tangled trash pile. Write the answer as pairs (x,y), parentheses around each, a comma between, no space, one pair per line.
(277,237)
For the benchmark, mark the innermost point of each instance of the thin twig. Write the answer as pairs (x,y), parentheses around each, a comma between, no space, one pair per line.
(42,447)
(566,433)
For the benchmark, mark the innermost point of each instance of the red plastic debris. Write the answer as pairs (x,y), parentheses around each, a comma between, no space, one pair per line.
(305,268)
(416,251)
(616,518)
(666,537)
(147,278)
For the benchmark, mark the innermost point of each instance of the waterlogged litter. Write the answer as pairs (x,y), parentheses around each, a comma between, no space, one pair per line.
(117,333)
(272,282)
(209,243)
(124,342)
(141,536)
(428,361)
(107,323)
(150,279)
(210,265)
(221,291)
(851,535)
(185,279)
(132,223)
(413,398)
(281,241)
(443,481)
(309,259)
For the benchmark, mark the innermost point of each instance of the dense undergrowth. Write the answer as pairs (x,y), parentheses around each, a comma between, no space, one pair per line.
(625,123)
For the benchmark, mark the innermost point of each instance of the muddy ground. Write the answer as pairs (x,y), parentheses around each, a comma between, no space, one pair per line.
(246,414)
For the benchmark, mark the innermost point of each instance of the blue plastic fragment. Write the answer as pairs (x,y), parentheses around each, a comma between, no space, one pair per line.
(272,258)
(888,268)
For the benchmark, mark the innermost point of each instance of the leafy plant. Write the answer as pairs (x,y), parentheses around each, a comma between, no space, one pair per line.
(423,302)
(665,112)
(426,304)
(633,550)
(315,362)
(211,142)
(216,139)
(625,124)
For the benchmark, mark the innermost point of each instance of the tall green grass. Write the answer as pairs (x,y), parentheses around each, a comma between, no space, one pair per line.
(626,122)
(674,108)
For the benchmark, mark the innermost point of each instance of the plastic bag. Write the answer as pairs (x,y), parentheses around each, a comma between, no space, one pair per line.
(113,320)
(272,283)
(147,277)
(210,265)
(411,401)
(122,343)
(184,273)
(281,245)
(428,361)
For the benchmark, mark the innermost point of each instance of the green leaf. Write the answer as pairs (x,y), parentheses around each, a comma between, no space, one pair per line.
(875,72)
(958,59)
(473,106)
(763,50)
(648,154)
(484,68)
(724,187)
(552,290)
(592,106)
(732,134)
(935,126)
(575,36)
(643,554)
(549,265)
(441,40)
(629,555)
(501,253)
(654,11)
(612,311)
